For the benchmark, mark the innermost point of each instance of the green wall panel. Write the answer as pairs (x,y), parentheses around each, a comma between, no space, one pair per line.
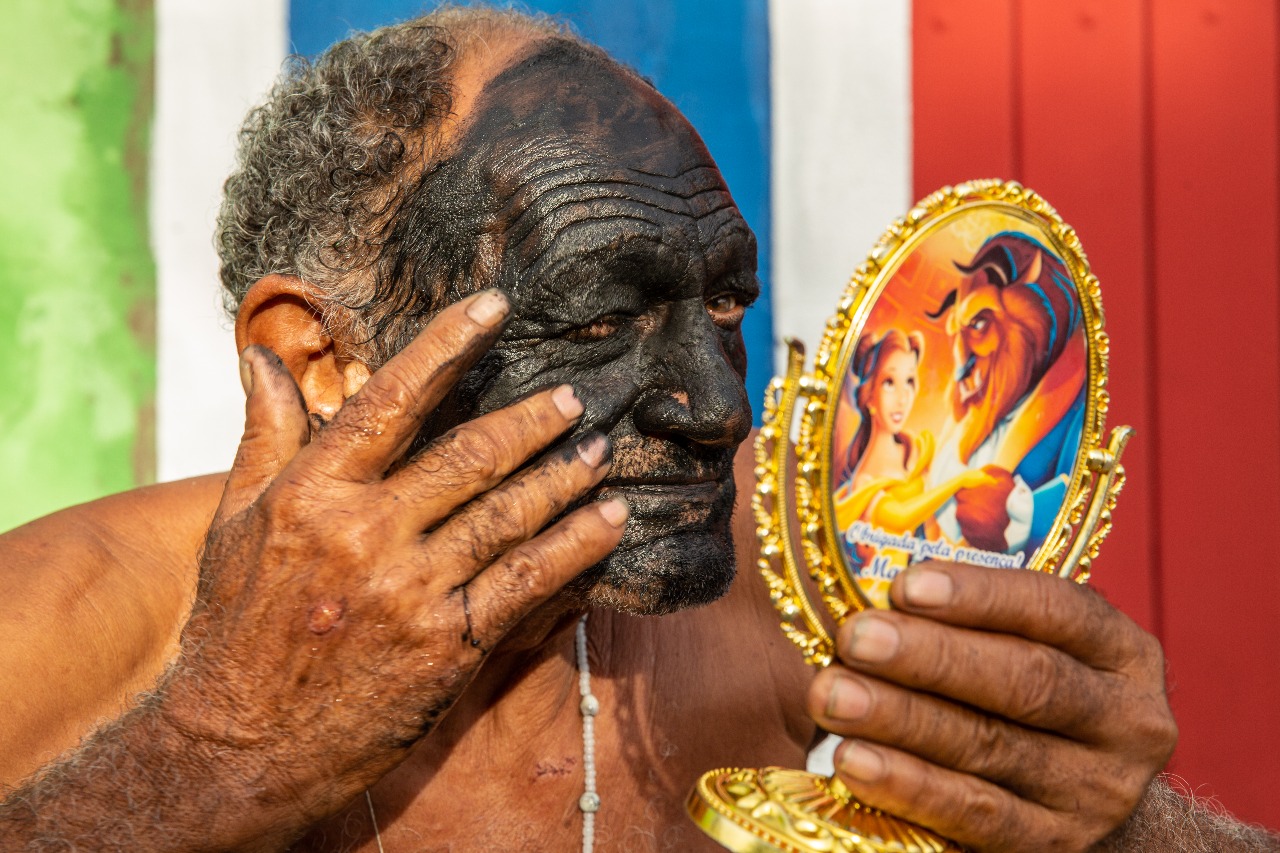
(77,281)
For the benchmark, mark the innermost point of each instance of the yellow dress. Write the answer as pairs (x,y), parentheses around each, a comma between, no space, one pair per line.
(894,505)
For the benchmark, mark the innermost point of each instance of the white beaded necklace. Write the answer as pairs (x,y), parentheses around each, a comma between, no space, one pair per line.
(589,706)
(589,802)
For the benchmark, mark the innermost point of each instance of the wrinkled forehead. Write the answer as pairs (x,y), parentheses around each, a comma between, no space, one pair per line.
(568,96)
(564,156)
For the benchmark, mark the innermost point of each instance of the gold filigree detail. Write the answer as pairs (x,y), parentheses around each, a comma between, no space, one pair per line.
(792,811)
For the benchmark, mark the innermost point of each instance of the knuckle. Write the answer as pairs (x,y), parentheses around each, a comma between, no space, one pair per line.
(985,809)
(937,661)
(469,539)
(386,398)
(524,575)
(1155,733)
(1150,657)
(920,722)
(538,416)
(1035,691)
(982,750)
(1063,833)
(533,569)
(472,452)
(511,514)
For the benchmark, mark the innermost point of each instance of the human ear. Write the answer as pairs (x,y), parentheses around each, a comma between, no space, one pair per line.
(283,313)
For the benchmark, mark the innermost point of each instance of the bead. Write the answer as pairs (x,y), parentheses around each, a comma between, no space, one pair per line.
(589,802)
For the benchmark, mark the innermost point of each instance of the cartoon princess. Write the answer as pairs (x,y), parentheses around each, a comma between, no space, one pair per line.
(886,486)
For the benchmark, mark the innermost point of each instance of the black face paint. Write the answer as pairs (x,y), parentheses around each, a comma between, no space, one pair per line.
(589,199)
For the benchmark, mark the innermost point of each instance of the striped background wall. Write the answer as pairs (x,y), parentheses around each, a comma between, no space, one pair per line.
(1151,125)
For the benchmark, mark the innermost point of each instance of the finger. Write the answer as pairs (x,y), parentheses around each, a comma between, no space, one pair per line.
(504,517)
(531,573)
(479,454)
(1027,682)
(1038,606)
(1021,760)
(275,429)
(975,813)
(377,423)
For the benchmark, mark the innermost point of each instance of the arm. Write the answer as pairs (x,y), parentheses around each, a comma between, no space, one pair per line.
(330,633)
(1167,820)
(95,597)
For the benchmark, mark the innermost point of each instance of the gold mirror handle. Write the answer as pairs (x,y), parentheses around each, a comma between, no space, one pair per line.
(1110,477)
(800,620)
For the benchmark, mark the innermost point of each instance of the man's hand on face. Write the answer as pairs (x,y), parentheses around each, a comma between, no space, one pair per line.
(348,595)
(1007,710)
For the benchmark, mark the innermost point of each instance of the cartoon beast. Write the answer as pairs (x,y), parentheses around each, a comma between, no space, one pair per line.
(1017,394)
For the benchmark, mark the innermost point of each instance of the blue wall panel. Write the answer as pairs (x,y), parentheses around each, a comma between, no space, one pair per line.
(711,58)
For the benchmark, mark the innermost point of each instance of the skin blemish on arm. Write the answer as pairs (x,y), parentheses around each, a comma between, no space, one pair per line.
(326,616)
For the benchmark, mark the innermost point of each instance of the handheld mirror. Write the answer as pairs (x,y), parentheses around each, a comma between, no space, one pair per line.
(955,411)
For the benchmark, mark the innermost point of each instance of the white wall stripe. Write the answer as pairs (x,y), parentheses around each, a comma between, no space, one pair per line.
(841,89)
(214,61)
(841,147)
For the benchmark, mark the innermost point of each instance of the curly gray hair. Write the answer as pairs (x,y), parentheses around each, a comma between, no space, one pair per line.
(325,164)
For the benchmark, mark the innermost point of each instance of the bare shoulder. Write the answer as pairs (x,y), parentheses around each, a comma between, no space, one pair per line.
(148,536)
(95,595)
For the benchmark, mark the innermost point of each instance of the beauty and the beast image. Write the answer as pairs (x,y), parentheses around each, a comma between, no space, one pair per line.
(961,412)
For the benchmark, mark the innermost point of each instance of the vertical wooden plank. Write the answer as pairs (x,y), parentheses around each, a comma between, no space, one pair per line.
(962,91)
(1214,119)
(1082,144)
(841,131)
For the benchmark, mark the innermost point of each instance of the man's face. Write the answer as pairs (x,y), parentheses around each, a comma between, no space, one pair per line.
(594,204)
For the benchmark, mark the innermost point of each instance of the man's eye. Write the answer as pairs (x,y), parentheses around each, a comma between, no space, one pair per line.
(726,309)
(596,331)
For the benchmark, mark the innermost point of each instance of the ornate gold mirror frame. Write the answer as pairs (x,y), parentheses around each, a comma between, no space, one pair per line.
(979,311)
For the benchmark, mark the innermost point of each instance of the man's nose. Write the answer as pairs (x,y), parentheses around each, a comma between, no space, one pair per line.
(697,395)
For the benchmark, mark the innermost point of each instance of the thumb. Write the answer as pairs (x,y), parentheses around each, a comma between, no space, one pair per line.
(275,429)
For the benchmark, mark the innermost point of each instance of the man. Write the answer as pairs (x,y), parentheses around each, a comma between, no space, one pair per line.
(372,547)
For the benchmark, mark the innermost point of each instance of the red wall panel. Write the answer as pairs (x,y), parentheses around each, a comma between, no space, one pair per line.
(1081,140)
(1154,129)
(1217,359)
(963,111)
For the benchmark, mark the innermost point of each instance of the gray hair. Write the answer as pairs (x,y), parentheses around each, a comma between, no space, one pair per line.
(325,164)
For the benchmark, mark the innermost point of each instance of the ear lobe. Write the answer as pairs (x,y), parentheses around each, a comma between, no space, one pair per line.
(281,313)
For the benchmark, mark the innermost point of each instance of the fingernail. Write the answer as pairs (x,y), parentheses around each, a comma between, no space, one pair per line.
(849,699)
(489,308)
(615,511)
(567,402)
(927,588)
(246,374)
(593,449)
(874,640)
(861,762)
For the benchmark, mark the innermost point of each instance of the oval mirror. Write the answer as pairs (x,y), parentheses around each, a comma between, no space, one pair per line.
(954,411)
(961,396)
